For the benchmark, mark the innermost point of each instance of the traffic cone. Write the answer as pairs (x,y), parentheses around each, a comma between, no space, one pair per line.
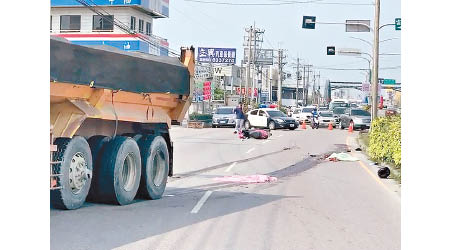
(350,128)
(304,125)
(330,127)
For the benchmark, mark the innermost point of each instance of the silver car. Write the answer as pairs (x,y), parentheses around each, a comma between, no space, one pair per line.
(358,117)
(224,116)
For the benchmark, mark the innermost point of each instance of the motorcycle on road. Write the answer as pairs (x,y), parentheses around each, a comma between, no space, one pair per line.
(314,122)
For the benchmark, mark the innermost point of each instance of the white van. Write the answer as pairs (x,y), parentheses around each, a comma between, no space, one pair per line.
(339,103)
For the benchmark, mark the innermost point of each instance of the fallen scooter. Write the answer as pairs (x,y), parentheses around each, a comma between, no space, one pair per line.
(254,133)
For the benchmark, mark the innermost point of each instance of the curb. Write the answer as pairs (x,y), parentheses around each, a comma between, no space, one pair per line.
(380,164)
(393,185)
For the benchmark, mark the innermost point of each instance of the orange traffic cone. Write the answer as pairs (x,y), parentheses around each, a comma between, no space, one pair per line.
(304,125)
(330,127)
(350,128)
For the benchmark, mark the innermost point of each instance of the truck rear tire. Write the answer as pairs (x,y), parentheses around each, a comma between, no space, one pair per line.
(96,143)
(76,172)
(135,136)
(120,171)
(155,167)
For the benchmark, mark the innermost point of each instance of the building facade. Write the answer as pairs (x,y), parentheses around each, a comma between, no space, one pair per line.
(124,24)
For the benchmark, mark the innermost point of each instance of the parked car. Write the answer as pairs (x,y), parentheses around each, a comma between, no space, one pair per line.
(303,114)
(358,117)
(296,113)
(224,116)
(337,112)
(326,118)
(269,118)
(290,111)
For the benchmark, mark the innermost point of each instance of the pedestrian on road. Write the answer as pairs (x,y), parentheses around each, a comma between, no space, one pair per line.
(240,117)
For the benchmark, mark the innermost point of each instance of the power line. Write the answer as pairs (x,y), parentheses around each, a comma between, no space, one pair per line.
(123,26)
(324,68)
(341,64)
(196,21)
(278,4)
(253,4)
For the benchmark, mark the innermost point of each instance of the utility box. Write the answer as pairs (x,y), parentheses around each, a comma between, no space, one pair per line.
(232,100)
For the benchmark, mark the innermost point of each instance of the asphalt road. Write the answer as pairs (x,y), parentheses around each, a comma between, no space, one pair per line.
(315,204)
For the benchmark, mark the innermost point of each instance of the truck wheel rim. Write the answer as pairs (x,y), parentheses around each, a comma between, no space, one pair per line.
(129,173)
(158,168)
(78,173)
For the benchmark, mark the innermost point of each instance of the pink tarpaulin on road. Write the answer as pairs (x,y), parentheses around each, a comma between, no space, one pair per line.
(247,178)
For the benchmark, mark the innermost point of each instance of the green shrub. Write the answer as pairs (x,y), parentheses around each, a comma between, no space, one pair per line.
(385,140)
(200,117)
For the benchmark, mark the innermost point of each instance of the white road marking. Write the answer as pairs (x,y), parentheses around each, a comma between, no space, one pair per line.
(266,141)
(230,167)
(250,150)
(280,136)
(201,202)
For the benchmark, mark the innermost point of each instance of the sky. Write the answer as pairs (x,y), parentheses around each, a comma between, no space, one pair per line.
(213,25)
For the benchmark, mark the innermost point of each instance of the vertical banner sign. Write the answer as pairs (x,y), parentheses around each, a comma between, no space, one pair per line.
(365,87)
(206,90)
(255,91)
(216,55)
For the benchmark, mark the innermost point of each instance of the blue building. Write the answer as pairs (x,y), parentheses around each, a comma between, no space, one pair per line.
(82,25)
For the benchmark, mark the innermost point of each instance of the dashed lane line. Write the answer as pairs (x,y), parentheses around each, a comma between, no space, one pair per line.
(250,150)
(201,202)
(230,167)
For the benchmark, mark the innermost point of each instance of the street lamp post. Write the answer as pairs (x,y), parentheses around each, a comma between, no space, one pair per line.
(376,46)
(369,68)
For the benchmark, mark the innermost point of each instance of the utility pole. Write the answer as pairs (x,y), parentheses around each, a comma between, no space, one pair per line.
(316,92)
(281,63)
(253,62)
(225,89)
(298,76)
(240,81)
(252,43)
(376,45)
(304,85)
(318,99)
(313,94)
(258,39)
(249,45)
(307,84)
(280,77)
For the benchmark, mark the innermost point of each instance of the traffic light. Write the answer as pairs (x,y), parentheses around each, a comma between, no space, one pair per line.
(309,22)
(331,50)
(398,24)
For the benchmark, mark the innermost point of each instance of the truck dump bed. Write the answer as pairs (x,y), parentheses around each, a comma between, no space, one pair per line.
(110,68)
(108,84)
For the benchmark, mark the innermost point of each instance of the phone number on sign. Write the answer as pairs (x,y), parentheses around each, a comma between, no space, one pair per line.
(222,60)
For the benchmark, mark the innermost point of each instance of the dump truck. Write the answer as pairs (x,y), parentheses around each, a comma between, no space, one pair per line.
(110,114)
